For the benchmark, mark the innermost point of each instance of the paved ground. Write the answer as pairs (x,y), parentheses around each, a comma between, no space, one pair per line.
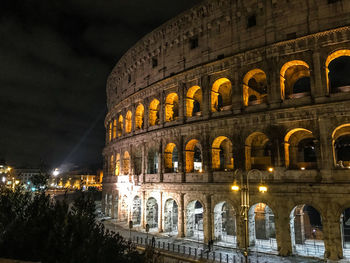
(198,249)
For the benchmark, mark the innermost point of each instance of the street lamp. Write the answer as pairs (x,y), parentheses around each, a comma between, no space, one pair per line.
(244,188)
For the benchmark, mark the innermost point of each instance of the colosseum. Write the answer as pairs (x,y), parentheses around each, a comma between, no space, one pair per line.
(234,91)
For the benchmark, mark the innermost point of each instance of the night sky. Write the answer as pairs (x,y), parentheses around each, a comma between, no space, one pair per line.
(55,56)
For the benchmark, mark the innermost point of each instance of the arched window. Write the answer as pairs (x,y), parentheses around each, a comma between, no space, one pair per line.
(193,156)
(341,146)
(337,71)
(154,112)
(114,128)
(120,125)
(295,80)
(128,122)
(126,163)
(254,87)
(117,164)
(171,107)
(139,117)
(300,149)
(221,95)
(194,101)
(171,158)
(152,164)
(110,131)
(258,151)
(222,158)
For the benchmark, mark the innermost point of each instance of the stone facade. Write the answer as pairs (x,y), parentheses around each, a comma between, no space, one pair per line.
(227,85)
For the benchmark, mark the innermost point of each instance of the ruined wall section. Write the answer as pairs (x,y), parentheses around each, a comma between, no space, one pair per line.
(222,28)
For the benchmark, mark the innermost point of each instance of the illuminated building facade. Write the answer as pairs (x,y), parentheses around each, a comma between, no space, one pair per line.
(230,85)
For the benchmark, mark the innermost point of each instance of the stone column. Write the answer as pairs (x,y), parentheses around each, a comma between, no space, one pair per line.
(182,104)
(205,96)
(274,96)
(206,152)
(207,223)
(160,161)
(283,236)
(143,209)
(317,88)
(181,213)
(236,94)
(143,162)
(161,109)
(332,237)
(325,144)
(181,154)
(160,214)
(146,115)
(133,124)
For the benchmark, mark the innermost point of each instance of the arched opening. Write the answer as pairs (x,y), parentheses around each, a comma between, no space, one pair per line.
(171,107)
(139,117)
(225,224)
(171,160)
(154,113)
(117,164)
(136,211)
(193,156)
(124,208)
(345,232)
(222,158)
(337,71)
(137,160)
(152,164)
(114,128)
(120,125)
(194,221)
(126,163)
(128,122)
(341,146)
(170,217)
(110,131)
(116,200)
(152,212)
(258,150)
(254,87)
(194,101)
(295,80)
(306,231)
(300,150)
(262,232)
(221,95)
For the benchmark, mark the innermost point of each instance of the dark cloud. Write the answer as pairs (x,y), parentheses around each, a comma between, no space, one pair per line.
(55,57)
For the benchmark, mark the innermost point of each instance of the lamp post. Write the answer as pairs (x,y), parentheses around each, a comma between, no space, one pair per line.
(244,188)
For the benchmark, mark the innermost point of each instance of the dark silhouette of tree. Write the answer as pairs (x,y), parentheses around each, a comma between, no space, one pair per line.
(36,228)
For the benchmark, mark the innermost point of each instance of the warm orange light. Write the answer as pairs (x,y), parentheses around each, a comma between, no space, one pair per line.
(302,168)
(262,188)
(235,186)
(270,169)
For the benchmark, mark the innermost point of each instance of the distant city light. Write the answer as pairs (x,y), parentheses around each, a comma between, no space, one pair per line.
(3,179)
(56,172)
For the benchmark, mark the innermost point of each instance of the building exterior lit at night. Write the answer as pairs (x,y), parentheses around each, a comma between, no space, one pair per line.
(259,86)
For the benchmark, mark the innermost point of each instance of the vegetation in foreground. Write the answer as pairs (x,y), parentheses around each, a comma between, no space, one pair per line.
(33,227)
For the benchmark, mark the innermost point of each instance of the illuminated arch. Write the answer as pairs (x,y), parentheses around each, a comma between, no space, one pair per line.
(193,156)
(291,72)
(120,125)
(171,107)
(299,149)
(193,101)
(171,158)
(114,128)
(154,112)
(139,116)
(254,85)
(110,131)
(128,122)
(117,164)
(221,95)
(258,151)
(222,158)
(126,163)
(333,56)
(340,146)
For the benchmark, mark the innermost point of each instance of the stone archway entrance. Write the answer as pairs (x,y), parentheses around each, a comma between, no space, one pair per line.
(345,231)
(123,213)
(225,224)
(152,212)
(306,231)
(136,211)
(262,233)
(170,217)
(194,221)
